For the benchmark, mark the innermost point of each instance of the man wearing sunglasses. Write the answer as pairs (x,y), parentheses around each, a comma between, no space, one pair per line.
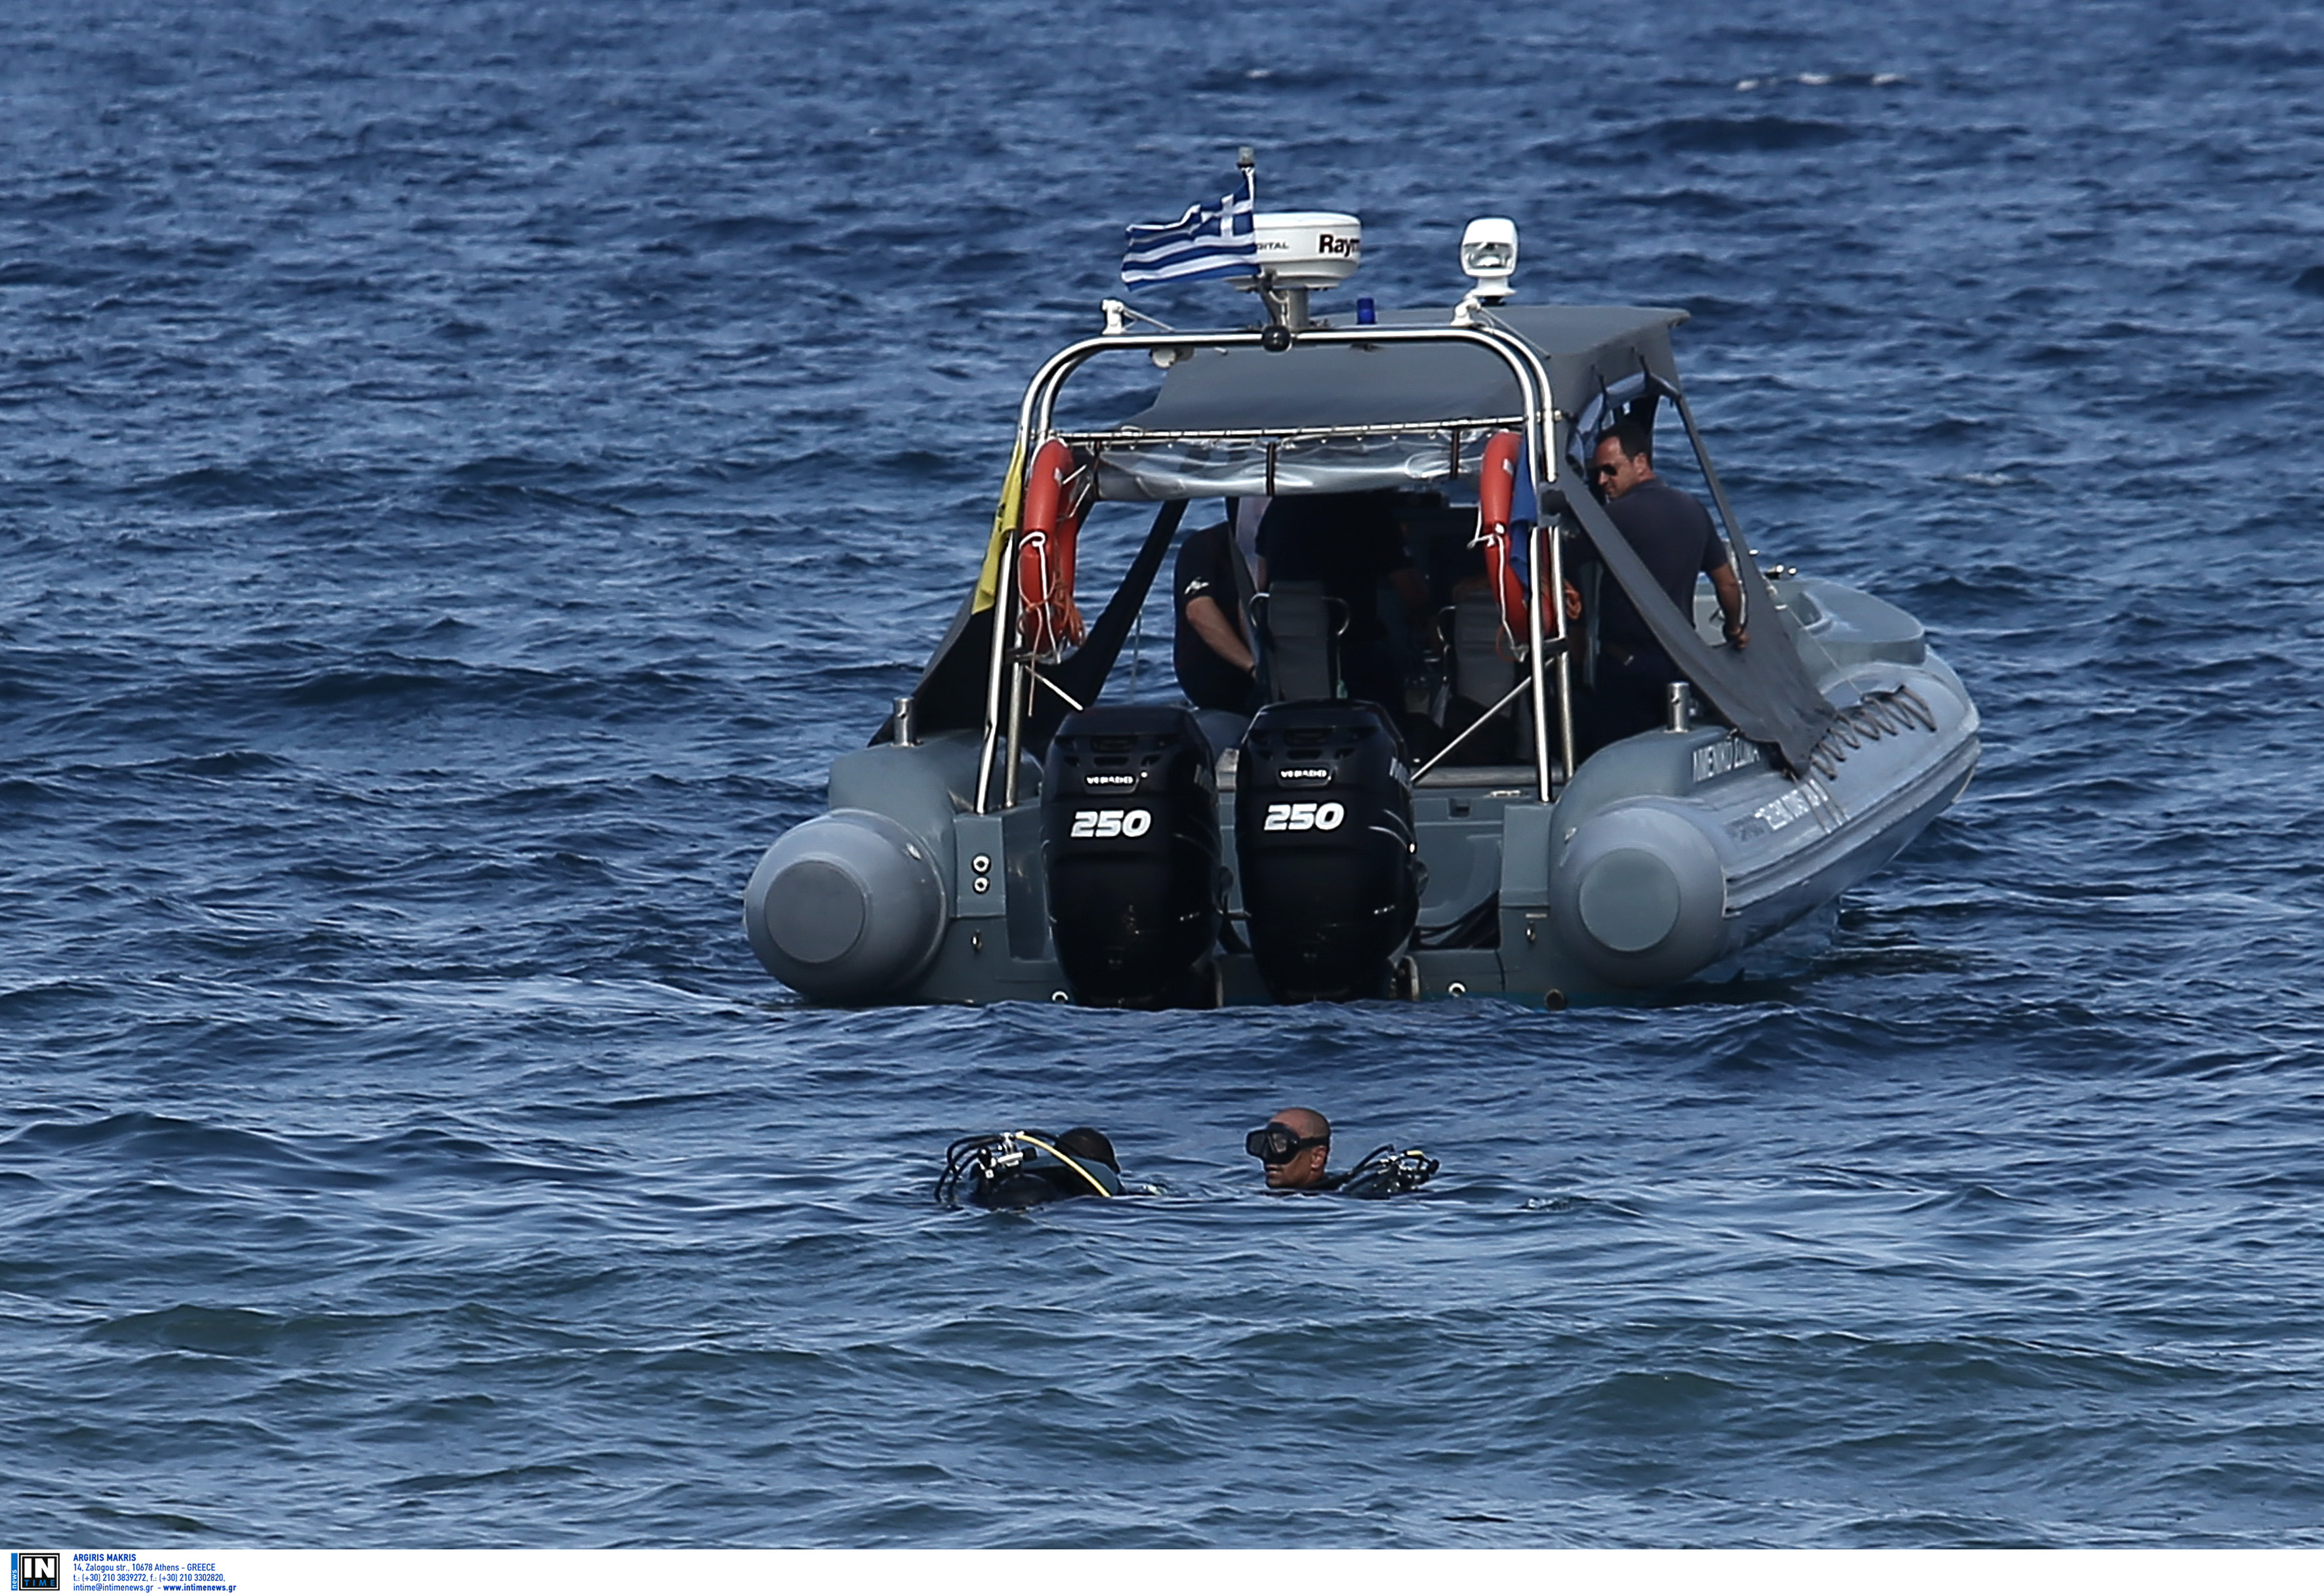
(1674,535)
(1294,1146)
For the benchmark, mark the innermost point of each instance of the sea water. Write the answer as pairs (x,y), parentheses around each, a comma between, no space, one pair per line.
(465,469)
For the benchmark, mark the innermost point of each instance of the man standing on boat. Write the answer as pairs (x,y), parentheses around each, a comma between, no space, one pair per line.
(1674,535)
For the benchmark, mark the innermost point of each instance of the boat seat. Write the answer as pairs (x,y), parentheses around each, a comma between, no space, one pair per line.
(1298,626)
(1482,675)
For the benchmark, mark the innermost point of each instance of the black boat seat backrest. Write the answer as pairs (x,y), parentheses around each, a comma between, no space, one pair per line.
(1482,675)
(1297,625)
(1481,670)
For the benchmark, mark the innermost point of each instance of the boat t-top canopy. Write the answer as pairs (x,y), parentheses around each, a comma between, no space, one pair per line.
(1407,402)
(1342,417)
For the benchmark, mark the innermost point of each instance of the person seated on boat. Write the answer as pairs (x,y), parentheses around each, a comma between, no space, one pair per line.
(1294,1146)
(1026,1168)
(1353,544)
(1674,535)
(1212,646)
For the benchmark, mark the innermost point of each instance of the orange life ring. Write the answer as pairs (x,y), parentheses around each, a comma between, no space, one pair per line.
(1054,504)
(1497,489)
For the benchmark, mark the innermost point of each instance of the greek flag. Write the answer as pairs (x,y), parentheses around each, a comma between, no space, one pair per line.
(1208,241)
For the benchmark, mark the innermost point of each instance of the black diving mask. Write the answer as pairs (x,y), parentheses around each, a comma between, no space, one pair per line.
(1279,1144)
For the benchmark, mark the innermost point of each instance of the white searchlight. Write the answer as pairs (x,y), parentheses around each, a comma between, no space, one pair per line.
(1489,253)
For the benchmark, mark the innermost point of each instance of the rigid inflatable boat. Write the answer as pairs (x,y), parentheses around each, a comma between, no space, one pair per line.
(1024,826)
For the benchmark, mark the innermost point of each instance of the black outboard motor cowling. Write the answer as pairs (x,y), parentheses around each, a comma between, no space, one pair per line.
(1129,835)
(1324,831)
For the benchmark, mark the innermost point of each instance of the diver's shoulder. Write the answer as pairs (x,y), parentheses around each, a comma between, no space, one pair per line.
(1022,1169)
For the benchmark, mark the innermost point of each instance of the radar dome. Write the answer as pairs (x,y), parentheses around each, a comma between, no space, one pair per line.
(1309,248)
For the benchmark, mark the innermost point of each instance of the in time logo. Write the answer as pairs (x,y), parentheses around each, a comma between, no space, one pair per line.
(35,1571)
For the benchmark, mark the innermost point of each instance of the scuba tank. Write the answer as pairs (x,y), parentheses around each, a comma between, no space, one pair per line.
(1020,1169)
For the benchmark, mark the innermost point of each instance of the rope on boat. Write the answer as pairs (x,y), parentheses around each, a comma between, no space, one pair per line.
(1890,712)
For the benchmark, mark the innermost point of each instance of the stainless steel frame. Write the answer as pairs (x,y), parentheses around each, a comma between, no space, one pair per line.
(1039,409)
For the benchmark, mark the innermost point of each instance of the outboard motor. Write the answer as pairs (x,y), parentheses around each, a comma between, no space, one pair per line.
(1330,877)
(1129,835)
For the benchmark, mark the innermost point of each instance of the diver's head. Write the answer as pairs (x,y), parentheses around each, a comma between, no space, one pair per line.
(1294,1146)
(1084,1143)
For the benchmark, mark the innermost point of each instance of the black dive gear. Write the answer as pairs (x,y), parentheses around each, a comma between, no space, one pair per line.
(1023,1169)
(1385,1171)
(1276,1143)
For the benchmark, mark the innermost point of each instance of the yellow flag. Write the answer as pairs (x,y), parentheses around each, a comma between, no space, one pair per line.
(1005,517)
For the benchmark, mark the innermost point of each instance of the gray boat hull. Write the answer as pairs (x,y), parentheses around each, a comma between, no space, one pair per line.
(1667,854)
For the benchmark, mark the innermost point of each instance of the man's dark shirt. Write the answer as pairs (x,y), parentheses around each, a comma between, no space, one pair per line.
(1674,535)
(1204,570)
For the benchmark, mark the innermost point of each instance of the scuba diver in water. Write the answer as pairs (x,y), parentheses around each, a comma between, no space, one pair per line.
(1026,1168)
(1295,1148)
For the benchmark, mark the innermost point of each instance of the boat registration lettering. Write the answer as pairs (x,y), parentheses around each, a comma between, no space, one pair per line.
(1777,812)
(1718,758)
(1325,817)
(1105,823)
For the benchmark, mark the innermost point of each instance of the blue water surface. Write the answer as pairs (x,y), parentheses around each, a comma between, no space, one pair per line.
(465,469)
